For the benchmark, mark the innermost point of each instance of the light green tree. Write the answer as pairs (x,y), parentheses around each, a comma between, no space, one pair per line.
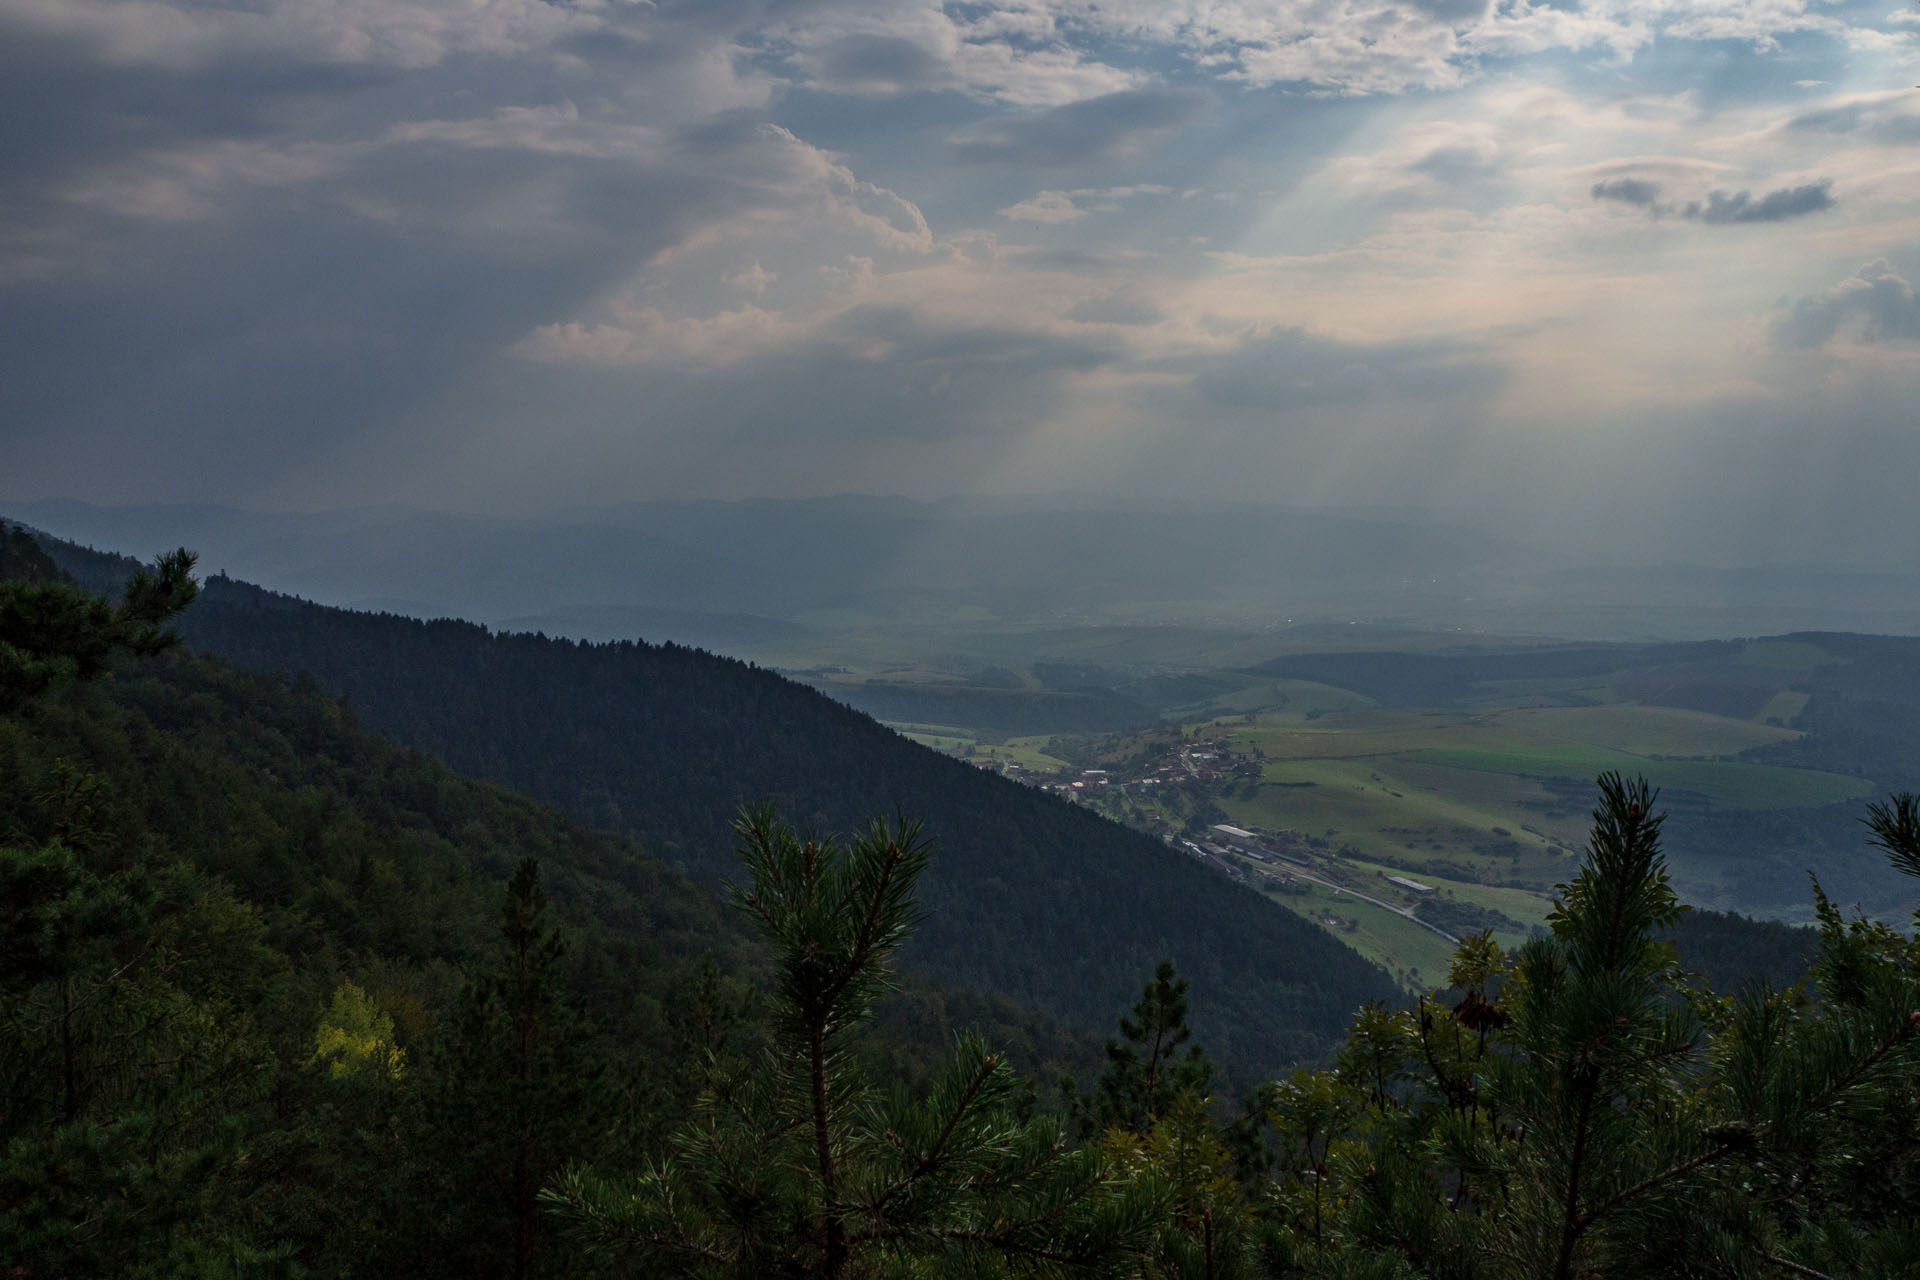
(355,1038)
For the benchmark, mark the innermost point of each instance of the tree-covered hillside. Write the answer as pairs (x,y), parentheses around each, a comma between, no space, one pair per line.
(1029,898)
(279,996)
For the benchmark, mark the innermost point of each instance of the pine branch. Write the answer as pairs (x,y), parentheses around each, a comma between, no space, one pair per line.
(1647,1184)
(931,1158)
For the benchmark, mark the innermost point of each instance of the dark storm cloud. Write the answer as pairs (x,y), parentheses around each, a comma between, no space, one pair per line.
(1722,208)
(228,364)
(1636,191)
(1091,130)
(276,323)
(1292,369)
(1776,206)
(1876,301)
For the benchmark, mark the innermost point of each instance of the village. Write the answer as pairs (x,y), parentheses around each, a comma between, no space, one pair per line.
(1277,861)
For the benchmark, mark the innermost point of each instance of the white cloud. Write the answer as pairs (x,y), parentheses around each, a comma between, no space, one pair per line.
(1875,305)
(1051,207)
(754,279)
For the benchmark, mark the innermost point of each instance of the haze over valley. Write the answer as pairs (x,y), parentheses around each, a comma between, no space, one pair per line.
(801,582)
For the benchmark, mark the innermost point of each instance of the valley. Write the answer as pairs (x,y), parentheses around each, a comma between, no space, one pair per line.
(1465,770)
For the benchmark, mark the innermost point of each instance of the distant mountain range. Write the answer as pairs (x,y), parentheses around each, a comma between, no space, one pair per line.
(767,579)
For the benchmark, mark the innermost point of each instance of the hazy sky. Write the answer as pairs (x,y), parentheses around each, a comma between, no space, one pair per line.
(1643,268)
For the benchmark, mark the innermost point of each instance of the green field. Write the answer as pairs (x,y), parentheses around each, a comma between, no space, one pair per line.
(1783,707)
(1415,956)
(1632,729)
(1029,752)
(941,737)
(1488,804)
(1733,784)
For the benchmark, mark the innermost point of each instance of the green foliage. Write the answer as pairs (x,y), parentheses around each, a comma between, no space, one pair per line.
(1896,828)
(203,879)
(795,1166)
(356,1038)
(118,1140)
(1207,1232)
(52,631)
(1146,1070)
(1581,1109)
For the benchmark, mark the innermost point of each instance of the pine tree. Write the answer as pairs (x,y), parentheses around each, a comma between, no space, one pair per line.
(796,1167)
(1146,1071)
(516,1078)
(121,1144)
(52,631)
(1585,1110)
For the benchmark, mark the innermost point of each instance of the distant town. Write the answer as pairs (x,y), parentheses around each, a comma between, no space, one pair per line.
(1276,860)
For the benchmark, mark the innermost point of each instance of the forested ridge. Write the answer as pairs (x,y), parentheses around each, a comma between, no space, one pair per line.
(203,871)
(1030,899)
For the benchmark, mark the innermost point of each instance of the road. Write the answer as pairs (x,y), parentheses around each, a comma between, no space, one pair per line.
(1295,870)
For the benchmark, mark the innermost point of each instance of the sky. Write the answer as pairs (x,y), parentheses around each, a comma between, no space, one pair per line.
(1633,272)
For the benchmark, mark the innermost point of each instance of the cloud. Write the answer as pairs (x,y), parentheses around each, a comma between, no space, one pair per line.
(391,33)
(1458,164)
(891,48)
(1455,12)
(1635,191)
(1876,302)
(1120,307)
(704,342)
(1052,51)
(1063,206)
(262,247)
(1887,118)
(753,279)
(1097,129)
(1046,206)
(1293,369)
(878,65)
(1776,206)
(871,376)
(1722,208)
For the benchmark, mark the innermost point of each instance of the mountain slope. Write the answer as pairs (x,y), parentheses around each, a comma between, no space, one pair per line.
(1029,898)
(262,1013)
